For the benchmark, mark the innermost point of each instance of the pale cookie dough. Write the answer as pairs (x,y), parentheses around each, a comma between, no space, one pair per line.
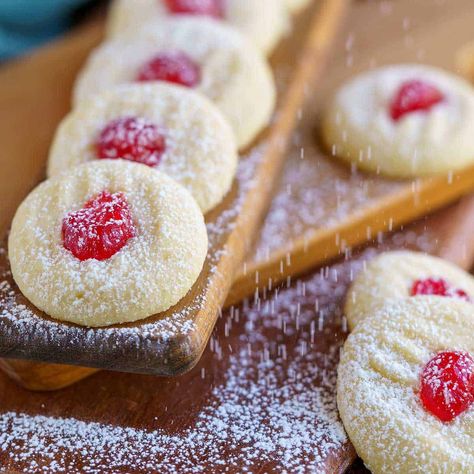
(200,148)
(264,22)
(391,275)
(296,6)
(358,128)
(378,383)
(151,273)
(233,74)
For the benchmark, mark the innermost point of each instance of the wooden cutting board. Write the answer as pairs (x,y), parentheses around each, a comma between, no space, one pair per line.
(308,221)
(321,209)
(35,94)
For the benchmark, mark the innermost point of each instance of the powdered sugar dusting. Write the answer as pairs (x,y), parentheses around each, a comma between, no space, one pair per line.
(316,193)
(261,424)
(33,337)
(275,403)
(272,407)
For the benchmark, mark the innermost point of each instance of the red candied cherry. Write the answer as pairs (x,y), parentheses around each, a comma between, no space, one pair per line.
(439,287)
(447,384)
(100,229)
(175,67)
(133,139)
(414,96)
(213,8)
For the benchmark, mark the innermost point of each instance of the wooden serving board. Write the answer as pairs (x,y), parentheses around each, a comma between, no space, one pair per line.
(35,95)
(321,209)
(318,203)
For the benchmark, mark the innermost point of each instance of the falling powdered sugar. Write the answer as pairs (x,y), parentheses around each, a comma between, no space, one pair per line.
(275,406)
(245,424)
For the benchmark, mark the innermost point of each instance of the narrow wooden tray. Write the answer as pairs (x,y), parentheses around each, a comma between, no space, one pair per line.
(321,209)
(169,343)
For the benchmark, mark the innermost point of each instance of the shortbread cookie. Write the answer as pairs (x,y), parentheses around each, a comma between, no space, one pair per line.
(402,274)
(264,22)
(166,127)
(107,242)
(296,6)
(199,53)
(405,387)
(403,121)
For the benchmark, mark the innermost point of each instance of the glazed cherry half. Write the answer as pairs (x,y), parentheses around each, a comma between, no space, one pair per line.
(175,67)
(439,287)
(447,384)
(100,229)
(414,96)
(212,8)
(133,139)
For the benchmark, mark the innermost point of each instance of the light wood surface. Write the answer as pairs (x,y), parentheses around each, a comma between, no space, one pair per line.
(143,347)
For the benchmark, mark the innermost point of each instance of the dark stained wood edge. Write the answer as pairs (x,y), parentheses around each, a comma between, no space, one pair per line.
(117,349)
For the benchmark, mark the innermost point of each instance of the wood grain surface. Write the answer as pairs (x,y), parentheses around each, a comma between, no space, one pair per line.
(172,342)
(283,335)
(338,219)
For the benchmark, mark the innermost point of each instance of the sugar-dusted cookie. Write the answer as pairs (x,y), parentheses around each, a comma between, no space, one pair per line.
(405,387)
(402,274)
(107,242)
(264,22)
(296,6)
(166,127)
(202,54)
(403,121)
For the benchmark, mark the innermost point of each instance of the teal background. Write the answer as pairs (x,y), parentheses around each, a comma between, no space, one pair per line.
(28,23)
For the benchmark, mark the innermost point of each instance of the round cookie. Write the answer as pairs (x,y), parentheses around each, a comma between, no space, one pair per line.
(384,388)
(108,242)
(403,121)
(187,137)
(264,22)
(401,274)
(229,70)
(296,6)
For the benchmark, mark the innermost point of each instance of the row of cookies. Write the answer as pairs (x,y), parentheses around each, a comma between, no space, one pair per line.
(180,42)
(406,374)
(117,232)
(405,388)
(264,22)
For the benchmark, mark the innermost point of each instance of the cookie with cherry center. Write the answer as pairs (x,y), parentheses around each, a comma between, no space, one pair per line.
(107,242)
(199,54)
(404,274)
(405,386)
(402,121)
(264,22)
(168,128)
